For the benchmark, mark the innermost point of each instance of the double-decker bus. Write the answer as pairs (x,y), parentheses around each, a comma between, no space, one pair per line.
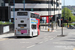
(27,23)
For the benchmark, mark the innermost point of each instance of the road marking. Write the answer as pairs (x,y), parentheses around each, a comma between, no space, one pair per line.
(31,46)
(51,38)
(25,42)
(59,43)
(40,42)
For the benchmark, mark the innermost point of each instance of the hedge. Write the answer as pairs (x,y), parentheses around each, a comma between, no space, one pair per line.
(65,24)
(1,23)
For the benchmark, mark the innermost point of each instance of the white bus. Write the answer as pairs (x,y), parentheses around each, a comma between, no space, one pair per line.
(27,23)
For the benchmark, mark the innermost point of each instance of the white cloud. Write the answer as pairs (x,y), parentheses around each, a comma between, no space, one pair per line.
(68,2)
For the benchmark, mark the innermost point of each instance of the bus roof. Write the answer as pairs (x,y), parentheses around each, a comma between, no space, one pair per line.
(29,12)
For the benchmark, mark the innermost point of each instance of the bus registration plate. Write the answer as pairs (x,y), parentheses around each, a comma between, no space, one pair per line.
(21,27)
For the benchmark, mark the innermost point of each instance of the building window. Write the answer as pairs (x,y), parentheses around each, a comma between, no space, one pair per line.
(2,4)
(37,9)
(31,1)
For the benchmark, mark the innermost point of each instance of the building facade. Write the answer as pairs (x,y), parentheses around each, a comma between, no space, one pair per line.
(46,8)
(2,3)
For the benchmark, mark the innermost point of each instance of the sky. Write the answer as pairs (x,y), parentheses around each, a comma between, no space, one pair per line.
(68,2)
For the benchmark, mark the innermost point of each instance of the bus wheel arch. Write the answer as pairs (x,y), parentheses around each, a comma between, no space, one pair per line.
(37,33)
(31,35)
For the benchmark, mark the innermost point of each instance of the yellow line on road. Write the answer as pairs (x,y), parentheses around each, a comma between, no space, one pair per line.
(2,39)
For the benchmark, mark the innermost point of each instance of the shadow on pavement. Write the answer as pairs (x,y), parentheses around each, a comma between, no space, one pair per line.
(14,37)
(43,31)
(69,40)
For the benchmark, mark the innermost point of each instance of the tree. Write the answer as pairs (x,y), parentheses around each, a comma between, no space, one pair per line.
(73,18)
(66,13)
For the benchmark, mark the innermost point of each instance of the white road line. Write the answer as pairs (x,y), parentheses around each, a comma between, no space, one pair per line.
(25,42)
(46,40)
(51,38)
(31,46)
(40,42)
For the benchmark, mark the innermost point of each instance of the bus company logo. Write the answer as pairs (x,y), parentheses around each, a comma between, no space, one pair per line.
(34,21)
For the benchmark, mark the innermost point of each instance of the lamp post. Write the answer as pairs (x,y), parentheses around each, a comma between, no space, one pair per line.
(62,24)
(52,19)
(48,14)
(24,4)
(14,10)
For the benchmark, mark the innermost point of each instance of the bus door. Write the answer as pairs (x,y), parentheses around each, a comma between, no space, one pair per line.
(34,26)
(34,29)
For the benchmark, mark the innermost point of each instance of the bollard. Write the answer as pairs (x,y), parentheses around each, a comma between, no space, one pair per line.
(48,29)
(68,26)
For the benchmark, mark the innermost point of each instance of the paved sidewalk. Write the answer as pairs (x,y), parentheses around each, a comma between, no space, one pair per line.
(43,28)
(6,35)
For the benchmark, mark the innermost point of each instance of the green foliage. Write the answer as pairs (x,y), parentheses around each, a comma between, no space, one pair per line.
(65,24)
(73,18)
(66,13)
(1,23)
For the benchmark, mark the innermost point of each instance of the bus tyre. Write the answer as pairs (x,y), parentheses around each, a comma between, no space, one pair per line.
(31,35)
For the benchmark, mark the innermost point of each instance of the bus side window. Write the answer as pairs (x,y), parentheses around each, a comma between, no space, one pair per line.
(32,15)
(33,26)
